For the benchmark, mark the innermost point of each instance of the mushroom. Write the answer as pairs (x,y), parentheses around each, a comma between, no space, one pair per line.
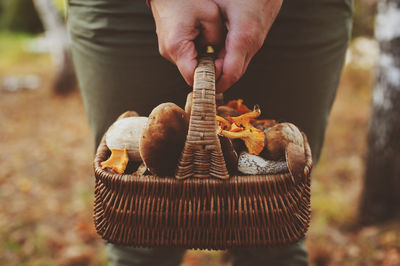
(189,103)
(230,155)
(253,138)
(117,161)
(286,140)
(242,128)
(250,164)
(128,114)
(123,138)
(239,106)
(226,111)
(219,99)
(279,136)
(263,124)
(163,138)
(244,120)
(141,170)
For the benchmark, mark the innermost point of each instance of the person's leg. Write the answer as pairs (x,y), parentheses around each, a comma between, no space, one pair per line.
(294,78)
(294,255)
(295,75)
(127,256)
(119,68)
(115,54)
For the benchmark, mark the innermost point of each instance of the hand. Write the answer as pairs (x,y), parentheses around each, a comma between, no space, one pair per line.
(248,22)
(179,23)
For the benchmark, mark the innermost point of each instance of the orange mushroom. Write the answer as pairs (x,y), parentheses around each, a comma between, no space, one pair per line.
(252,137)
(241,128)
(239,106)
(117,161)
(223,123)
(244,120)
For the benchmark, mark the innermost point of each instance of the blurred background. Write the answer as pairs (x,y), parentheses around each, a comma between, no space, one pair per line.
(46,180)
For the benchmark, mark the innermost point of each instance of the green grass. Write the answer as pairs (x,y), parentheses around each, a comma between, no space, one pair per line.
(14,52)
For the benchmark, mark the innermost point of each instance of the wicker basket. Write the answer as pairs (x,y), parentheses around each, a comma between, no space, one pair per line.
(202,206)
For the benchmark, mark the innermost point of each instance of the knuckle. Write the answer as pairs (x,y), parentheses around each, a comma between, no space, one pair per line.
(172,47)
(213,12)
(251,40)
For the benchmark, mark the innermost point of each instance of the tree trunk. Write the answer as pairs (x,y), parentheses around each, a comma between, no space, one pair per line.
(65,79)
(380,199)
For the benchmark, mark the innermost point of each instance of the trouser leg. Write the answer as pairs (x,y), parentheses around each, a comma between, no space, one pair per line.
(294,78)
(119,68)
(127,256)
(294,255)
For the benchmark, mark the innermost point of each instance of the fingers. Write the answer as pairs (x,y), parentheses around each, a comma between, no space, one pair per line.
(180,26)
(240,48)
(186,60)
(211,27)
(248,23)
(219,62)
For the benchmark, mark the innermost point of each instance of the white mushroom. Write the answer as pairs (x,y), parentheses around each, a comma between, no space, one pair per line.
(123,138)
(126,133)
(250,164)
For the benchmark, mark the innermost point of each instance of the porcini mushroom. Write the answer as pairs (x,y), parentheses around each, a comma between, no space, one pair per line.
(123,138)
(163,138)
(286,140)
(230,155)
(279,136)
(189,103)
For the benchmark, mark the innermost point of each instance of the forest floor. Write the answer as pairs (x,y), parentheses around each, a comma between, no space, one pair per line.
(46,179)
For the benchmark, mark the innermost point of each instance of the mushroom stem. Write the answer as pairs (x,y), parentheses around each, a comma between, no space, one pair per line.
(255,165)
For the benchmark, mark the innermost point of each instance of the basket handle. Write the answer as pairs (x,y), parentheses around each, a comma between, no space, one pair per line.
(202,155)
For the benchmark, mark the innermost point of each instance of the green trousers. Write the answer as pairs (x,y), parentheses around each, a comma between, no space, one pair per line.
(293,78)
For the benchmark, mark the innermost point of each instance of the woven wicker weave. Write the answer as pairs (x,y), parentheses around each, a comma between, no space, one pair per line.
(201,207)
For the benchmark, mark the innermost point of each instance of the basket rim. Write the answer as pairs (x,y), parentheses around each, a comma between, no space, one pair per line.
(111,178)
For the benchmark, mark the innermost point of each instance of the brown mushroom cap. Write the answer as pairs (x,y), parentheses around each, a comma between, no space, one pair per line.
(285,139)
(230,155)
(226,111)
(128,113)
(279,136)
(296,160)
(163,138)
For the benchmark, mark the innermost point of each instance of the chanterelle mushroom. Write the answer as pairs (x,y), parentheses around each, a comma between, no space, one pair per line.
(242,128)
(163,138)
(238,106)
(123,138)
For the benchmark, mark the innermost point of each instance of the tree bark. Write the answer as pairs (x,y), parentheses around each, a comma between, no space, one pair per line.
(64,79)
(380,199)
